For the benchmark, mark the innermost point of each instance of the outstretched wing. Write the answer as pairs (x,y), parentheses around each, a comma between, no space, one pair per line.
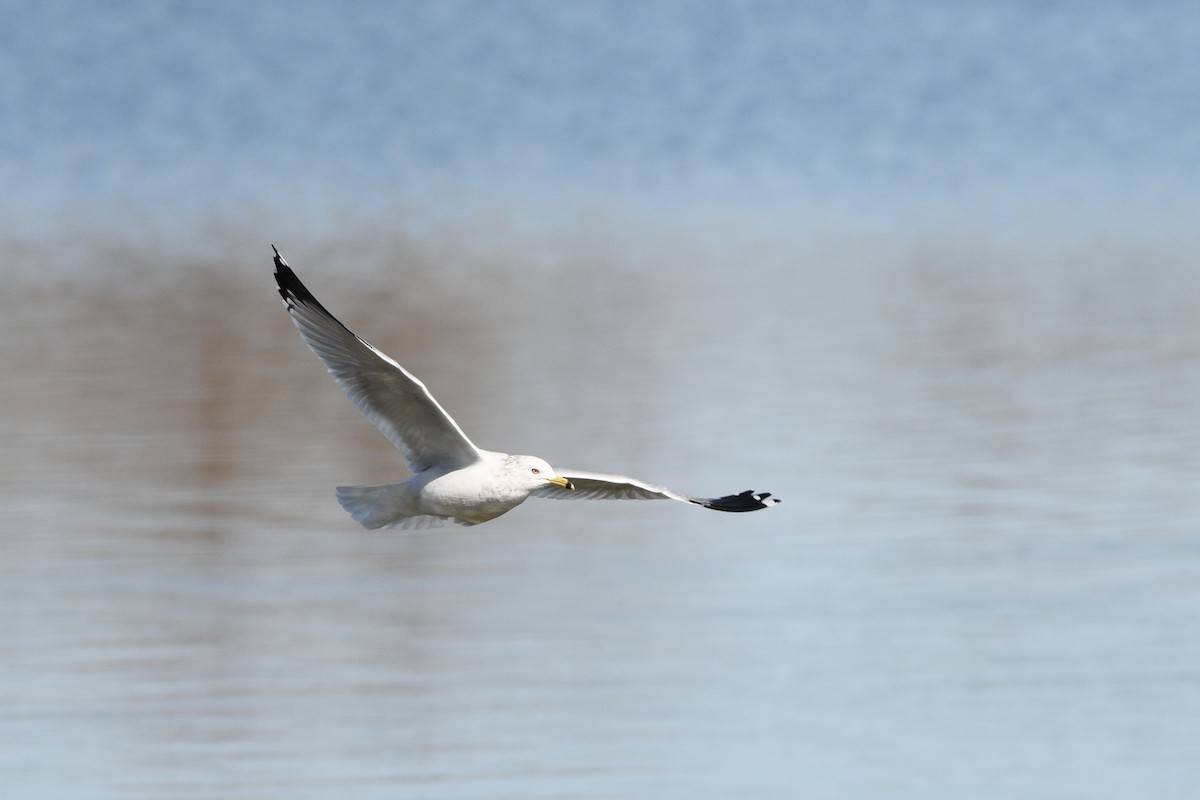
(386,393)
(599,486)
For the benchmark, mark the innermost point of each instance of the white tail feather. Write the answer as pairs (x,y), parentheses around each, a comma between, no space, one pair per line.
(385,506)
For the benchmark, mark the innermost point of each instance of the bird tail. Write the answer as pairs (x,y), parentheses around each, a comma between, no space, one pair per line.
(385,506)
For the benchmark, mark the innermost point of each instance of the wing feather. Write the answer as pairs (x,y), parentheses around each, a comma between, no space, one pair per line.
(602,486)
(386,393)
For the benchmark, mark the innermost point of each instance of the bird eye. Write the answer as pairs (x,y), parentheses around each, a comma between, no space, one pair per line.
(536,471)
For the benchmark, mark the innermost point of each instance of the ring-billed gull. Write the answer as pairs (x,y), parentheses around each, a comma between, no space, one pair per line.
(452,480)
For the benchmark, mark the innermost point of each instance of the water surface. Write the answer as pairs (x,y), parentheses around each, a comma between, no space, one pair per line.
(983,579)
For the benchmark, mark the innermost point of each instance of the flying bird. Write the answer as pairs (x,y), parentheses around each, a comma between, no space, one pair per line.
(452,479)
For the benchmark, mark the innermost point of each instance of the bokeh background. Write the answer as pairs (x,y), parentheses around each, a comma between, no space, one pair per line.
(927,271)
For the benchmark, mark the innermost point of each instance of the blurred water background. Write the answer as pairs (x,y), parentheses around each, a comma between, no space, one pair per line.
(928,271)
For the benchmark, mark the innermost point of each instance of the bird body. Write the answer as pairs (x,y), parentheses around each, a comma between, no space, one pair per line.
(452,480)
(468,495)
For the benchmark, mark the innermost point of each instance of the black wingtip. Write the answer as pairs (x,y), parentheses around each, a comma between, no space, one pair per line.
(290,287)
(748,500)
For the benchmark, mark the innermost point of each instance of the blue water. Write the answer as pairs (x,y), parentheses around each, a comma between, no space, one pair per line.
(169,111)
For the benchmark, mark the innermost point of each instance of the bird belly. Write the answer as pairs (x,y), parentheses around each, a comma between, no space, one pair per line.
(457,494)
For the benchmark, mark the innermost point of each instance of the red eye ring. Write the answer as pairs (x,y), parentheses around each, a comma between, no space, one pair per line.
(536,471)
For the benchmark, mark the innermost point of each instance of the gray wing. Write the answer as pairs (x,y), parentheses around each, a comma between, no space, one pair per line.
(386,393)
(599,486)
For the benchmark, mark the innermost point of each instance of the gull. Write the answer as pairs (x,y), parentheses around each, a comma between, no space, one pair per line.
(452,479)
